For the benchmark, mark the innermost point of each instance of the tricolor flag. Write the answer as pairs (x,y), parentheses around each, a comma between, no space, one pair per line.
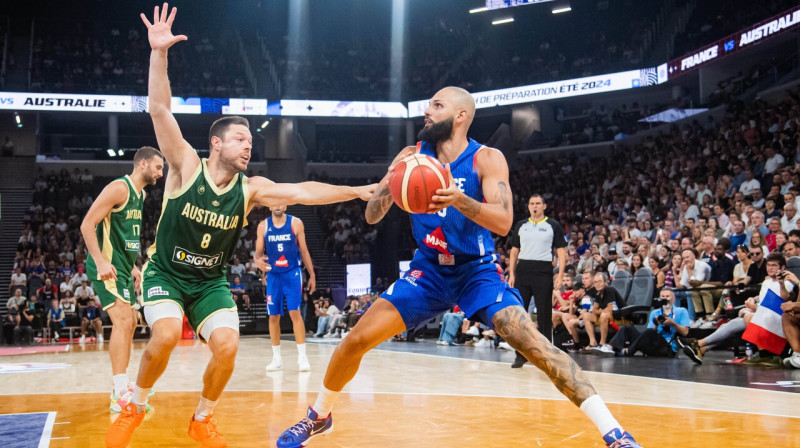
(765,329)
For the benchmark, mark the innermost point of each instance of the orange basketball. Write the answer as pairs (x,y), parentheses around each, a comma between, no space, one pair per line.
(415,180)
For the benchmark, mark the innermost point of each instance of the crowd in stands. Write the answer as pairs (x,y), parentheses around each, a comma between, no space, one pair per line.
(704,204)
(109,58)
(346,231)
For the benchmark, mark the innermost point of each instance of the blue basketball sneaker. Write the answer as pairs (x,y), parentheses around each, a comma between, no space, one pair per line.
(298,435)
(618,439)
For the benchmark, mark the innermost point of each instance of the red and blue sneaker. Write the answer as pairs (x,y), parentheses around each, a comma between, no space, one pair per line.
(616,438)
(298,435)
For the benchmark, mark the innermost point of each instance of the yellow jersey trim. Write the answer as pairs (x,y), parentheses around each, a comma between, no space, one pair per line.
(214,188)
(185,187)
(127,197)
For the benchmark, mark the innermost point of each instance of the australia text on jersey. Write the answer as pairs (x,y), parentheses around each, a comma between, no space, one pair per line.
(209,218)
(134,214)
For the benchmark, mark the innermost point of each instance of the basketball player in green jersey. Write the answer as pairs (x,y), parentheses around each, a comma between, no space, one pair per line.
(205,205)
(112,232)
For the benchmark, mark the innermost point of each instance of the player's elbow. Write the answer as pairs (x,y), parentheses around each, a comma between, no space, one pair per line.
(371,220)
(86,228)
(158,109)
(504,227)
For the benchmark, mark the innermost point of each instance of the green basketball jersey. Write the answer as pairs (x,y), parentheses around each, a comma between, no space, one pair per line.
(119,235)
(199,227)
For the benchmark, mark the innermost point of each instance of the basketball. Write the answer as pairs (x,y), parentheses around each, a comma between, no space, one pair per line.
(415,180)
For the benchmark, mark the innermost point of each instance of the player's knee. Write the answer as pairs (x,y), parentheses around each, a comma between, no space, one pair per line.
(510,321)
(225,348)
(275,318)
(355,343)
(165,335)
(121,318)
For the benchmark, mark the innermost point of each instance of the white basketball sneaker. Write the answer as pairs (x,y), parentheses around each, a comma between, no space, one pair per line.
(275,365)
(303,365)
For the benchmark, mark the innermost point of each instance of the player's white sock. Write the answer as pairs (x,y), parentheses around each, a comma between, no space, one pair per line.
(276,352)
(324,402)
(120,384)
(140,395)
(204,409)
(595,408)
(301,350)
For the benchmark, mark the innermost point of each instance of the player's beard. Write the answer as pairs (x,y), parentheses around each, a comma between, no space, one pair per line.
(231,162)
(437,132)
(150,179)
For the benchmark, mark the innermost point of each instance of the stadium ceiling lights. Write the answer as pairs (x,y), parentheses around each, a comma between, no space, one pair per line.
(18,119)
(477,10)
(111,152)
(502,21)
(561,9)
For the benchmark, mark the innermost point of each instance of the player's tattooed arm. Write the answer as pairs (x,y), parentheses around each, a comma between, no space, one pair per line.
(381,201)
(495,213)
(472,208)
(502,195)
(515,326)
(379,204)
(469,207)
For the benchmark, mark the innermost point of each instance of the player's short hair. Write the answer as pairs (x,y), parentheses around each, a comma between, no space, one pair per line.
(219,127)
(146,153)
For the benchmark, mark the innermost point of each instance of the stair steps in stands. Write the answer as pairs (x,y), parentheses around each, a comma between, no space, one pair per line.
(14,203)
(330,271)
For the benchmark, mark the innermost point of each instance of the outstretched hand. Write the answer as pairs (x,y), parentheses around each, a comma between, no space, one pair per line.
(160,31)
(365,192)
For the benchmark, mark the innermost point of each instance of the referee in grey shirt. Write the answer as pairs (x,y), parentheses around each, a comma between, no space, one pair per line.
(532,244)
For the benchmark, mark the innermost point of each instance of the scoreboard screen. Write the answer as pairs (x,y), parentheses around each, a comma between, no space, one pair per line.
(499,4)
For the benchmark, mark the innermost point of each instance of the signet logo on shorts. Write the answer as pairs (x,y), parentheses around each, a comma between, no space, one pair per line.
(436,240)
(132,245)
(183,256)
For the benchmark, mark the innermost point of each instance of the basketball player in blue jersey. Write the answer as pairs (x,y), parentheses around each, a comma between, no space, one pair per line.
(285,241)
(455,264)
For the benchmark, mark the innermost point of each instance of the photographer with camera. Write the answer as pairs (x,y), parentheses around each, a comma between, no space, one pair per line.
(778,280)
(665,323)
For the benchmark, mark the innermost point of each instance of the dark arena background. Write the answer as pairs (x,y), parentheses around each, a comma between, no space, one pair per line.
(663,136)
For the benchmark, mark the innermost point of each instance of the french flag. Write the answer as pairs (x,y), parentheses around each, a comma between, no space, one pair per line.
(765,329)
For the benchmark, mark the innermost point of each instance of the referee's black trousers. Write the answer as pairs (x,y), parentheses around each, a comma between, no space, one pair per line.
(535,278)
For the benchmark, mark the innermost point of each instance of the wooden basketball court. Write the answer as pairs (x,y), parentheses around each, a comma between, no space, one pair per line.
(434,397)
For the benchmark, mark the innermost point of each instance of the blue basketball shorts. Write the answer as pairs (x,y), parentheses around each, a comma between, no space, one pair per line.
(428,289)
(284,287)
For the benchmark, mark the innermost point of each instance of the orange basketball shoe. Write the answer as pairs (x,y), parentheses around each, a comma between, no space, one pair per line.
(120,432)
(206,433)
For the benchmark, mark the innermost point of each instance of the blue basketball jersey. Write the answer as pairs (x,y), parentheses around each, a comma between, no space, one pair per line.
(281,244)
(448,237)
